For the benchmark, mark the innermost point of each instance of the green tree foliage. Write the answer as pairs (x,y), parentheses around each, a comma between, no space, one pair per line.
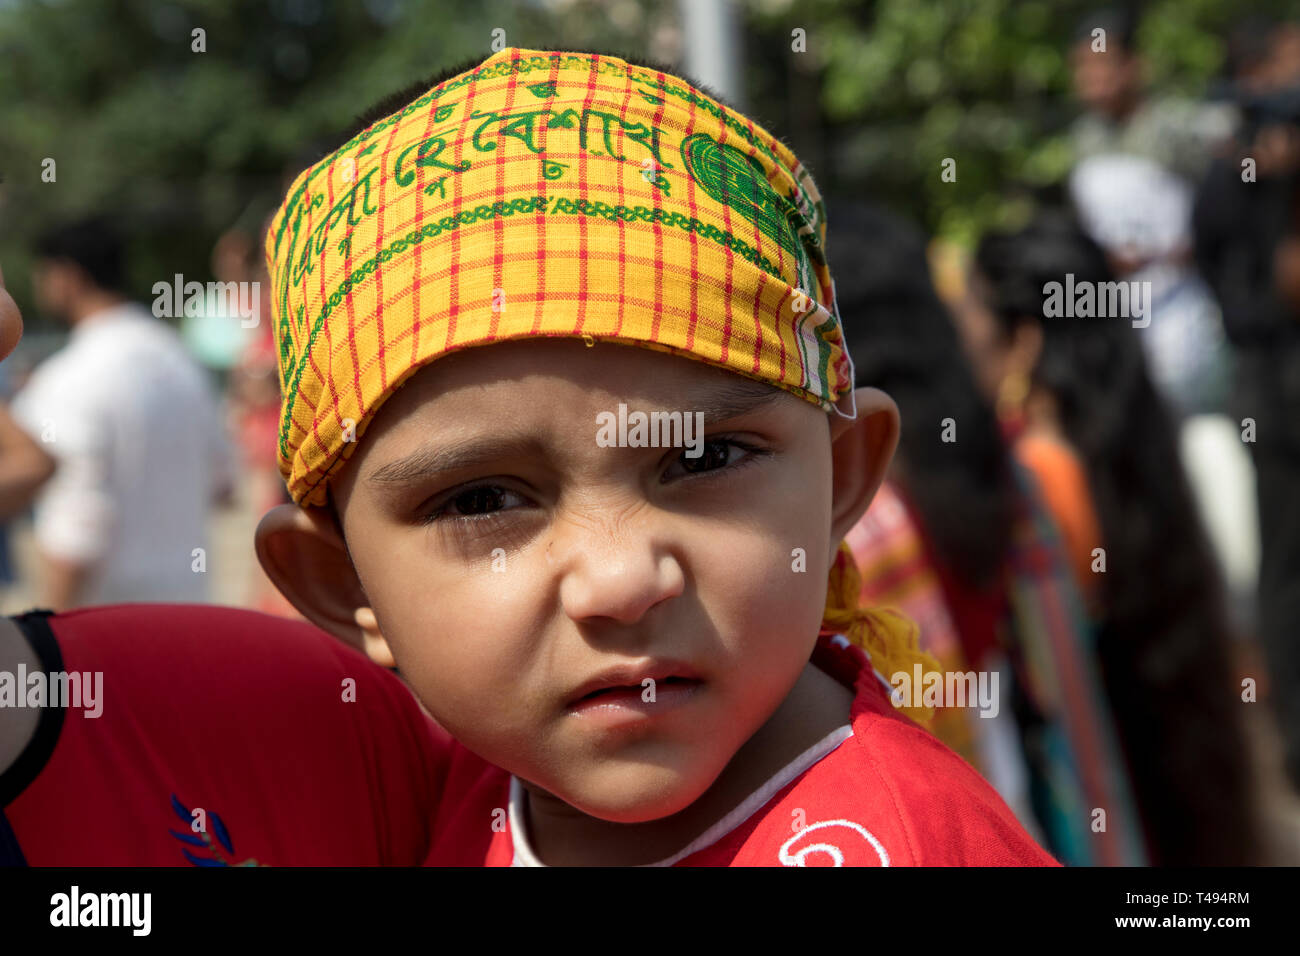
(184,144)
(899,85)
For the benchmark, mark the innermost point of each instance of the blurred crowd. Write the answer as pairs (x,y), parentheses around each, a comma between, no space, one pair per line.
(1103,510)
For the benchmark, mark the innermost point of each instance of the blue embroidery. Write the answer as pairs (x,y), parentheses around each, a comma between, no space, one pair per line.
(203,840)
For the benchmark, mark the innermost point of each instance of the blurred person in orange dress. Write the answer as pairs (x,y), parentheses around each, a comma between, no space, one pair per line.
(1075,399)
(959,539)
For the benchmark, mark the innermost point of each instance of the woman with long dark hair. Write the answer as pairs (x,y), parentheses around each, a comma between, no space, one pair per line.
(959,540)
(1077,399)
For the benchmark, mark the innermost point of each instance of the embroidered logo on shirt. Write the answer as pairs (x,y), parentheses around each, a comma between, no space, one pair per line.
(851,854)
(203,840)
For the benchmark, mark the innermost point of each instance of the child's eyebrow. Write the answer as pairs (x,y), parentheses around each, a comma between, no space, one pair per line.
(722,402)
(457,456)
(718,403)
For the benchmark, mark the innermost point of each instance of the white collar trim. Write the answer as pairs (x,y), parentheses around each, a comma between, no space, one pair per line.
(523,851)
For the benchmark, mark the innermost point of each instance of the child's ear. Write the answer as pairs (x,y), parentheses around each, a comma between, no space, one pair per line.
(861,449)
(304,555)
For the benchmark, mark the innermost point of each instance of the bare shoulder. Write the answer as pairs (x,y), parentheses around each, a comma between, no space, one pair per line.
(17,724)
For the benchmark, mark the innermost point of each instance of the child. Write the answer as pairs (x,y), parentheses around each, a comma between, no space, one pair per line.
(643,644)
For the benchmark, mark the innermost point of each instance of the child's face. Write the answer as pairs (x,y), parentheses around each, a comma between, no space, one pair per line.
(510,559)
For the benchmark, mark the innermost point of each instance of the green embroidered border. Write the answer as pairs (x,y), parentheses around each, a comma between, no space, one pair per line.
(610,213)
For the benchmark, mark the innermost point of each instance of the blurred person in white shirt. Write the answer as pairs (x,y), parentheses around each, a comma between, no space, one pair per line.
(131,421)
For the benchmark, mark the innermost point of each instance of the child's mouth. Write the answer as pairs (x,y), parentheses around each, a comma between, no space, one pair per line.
(615,697)
(639,690)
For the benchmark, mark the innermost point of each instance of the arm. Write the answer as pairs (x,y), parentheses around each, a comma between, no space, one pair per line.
(24,467)
(63,582)
(74,518)
(19,726)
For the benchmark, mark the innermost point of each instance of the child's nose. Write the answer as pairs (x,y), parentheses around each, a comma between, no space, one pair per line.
(616,577)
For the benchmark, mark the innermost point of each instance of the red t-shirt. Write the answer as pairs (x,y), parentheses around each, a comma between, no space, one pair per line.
(236,713)
(889,794)
(244,716)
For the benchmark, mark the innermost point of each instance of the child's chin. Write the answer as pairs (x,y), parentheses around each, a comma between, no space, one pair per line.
(638,795)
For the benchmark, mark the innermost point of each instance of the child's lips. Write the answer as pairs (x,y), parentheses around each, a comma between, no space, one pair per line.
(645,687)
(620,703)
(634,674)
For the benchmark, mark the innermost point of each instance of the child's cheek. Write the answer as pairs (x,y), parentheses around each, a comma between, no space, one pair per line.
(785,557)
(466,639)
(757,586)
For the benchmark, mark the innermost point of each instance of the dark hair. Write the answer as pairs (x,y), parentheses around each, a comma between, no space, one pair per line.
(93,244)
(902,341)
(1163,643)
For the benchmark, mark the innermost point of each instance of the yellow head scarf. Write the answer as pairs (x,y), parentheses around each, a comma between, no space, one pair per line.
(547,194)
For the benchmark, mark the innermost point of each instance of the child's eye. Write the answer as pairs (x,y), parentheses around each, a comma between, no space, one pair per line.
(716,454)
(480,501)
